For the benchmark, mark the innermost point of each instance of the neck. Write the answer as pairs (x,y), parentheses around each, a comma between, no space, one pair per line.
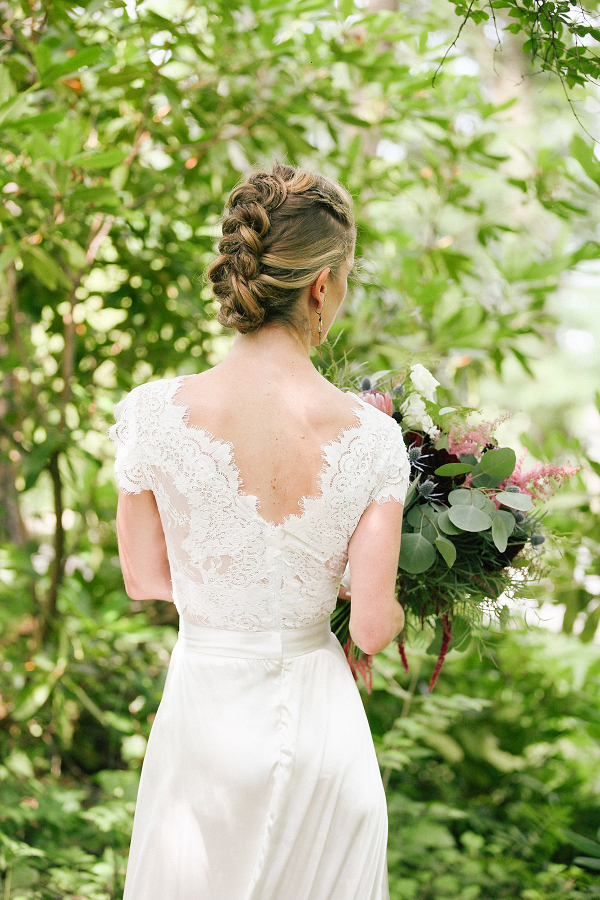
(272,344)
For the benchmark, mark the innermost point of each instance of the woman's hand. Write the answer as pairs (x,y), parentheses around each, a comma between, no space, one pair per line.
(343,593)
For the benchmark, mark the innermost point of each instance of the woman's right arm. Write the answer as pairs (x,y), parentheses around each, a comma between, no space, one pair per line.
(376,617)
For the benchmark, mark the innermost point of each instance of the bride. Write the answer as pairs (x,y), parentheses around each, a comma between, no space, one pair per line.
(244,490)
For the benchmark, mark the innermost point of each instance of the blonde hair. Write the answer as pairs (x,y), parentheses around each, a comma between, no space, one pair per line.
(282,228)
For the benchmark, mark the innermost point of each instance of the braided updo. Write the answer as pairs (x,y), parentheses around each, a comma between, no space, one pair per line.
(281,229)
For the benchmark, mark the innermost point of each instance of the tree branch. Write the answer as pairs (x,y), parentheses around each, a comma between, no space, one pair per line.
(58,563)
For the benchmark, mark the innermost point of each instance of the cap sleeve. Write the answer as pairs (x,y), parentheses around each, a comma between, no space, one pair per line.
(394,475)
(130,467)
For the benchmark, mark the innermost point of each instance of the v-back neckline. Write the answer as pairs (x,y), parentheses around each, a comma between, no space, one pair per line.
(240,494)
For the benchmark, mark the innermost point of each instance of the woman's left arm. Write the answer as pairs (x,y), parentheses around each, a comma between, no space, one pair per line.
(142,548)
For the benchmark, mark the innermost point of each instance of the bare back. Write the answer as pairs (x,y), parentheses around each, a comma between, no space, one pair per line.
(277,424)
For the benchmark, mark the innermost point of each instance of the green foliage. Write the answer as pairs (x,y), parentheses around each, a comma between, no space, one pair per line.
(543,25)
(489,777)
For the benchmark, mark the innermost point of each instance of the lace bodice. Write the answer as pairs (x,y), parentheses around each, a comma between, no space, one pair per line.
(230,567)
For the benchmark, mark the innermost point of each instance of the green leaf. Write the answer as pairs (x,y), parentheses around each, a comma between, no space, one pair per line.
(85,57)
(417,554)
(582,842)
(35,697)
(451,469)
(442,442)
(499,463)
(445,525)
(45,268)
(522,502)
(499,533)
(411,496)
(103,159)
(587,862)
(480,480)
(40,122)
(460,497)
(447,550)
(436,644)
(479,500)
(469,518)
(415,516)
(7,255)
(75,253)
(584,154)
(461,634)
(508,519)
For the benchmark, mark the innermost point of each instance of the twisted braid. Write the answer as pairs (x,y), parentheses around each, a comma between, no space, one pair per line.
(280,230)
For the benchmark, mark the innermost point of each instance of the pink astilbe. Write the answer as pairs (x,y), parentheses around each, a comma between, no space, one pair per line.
(380,399)
(446,638)
(402,652)
(472,440)
(361,666)
(542,480)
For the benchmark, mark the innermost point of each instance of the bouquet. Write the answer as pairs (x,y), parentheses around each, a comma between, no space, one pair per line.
(472,530)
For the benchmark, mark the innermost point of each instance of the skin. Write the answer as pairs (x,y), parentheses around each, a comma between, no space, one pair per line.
(290,410)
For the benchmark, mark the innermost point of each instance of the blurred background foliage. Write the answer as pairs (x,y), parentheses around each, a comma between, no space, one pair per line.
(124,127)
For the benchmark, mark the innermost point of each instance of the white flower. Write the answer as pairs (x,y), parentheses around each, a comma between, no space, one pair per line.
(423,381)
(416,416)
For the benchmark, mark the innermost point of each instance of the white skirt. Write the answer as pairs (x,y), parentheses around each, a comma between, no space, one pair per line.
(260,780)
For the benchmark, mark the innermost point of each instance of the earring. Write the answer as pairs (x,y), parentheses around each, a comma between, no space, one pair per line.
(320,322)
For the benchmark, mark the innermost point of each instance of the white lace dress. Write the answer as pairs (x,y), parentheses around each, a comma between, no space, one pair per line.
(260,780)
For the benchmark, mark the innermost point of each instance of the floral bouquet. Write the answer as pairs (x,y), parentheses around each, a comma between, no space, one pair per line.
(472,528)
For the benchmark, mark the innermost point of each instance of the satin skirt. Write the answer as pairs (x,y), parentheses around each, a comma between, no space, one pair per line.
(260,780)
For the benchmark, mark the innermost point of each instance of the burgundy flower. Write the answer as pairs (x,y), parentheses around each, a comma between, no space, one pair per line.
(380,399)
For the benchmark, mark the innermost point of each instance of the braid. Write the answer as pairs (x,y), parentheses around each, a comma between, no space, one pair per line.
(250,278)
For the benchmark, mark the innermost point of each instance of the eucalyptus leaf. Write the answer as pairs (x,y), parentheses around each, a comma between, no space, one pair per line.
(499,463)
(461,497)
(451,469)
(508,519)
(469,518)
(414,516)
(417,554)
(522,502)
(499,533)
(479,479)
(445,525)
(479,500)
(447,550)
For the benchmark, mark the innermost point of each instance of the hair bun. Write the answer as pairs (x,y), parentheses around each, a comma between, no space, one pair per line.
(251,279)
(262,188)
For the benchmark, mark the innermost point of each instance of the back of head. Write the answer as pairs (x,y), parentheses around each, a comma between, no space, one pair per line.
(282,228)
